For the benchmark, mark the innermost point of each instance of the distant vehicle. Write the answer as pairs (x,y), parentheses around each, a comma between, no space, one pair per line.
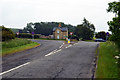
(100,40)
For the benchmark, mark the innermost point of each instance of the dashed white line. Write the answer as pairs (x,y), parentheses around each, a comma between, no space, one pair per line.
(14,68)
(68,46)
(75,43)
(53,52)
(58,50)
(61,46)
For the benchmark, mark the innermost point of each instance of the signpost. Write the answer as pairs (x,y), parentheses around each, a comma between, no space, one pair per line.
(107,35)
(71,33)
(17,34)
(33,35)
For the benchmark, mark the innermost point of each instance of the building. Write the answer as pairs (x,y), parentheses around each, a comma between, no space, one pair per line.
(60,32)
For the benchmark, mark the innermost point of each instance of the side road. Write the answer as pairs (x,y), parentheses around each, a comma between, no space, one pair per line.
(13,60)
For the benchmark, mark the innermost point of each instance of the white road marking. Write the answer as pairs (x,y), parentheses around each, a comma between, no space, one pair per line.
(14,68)
(58,50)
(53,52)
(75,43)
(68,46)
(61,46)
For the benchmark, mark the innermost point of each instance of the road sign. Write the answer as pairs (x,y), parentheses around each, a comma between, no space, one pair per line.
(71,33)
(32,33)
(107,33)
(17,33)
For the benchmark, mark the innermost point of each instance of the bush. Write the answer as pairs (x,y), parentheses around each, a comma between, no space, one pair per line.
(7,34)
(25,35)
(15,43)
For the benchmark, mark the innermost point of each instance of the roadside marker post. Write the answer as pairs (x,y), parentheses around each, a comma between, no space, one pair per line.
(68,41)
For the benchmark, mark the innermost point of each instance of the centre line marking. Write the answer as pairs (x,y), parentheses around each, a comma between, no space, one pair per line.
(61,46)
(68,46)
(14,68)
(53,52)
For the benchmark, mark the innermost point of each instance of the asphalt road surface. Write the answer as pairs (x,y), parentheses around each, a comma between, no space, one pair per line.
(52,59)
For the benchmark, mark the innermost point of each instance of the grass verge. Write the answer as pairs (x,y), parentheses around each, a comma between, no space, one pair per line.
(17,45)
(107,66)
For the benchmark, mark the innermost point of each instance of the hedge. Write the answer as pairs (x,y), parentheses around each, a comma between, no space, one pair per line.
(26,35)
(7,34)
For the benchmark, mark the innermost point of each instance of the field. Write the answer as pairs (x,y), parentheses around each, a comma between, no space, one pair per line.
(107,63)
(17,45)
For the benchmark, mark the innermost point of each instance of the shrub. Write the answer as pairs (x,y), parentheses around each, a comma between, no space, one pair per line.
(7,34)
(26,35)
(15,43)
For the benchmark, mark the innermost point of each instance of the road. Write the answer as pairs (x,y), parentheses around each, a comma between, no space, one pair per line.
(50,60)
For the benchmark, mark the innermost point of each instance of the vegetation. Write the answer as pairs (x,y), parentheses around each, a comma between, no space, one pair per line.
(85,30)
(101,34)
(16,45)
(26,35)
(114,25)
(45,28)
(107,63)
(7,34)
(14,30)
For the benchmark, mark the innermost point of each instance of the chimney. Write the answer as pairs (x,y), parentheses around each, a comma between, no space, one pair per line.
(59,25)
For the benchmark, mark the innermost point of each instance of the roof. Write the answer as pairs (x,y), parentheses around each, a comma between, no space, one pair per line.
(61,28)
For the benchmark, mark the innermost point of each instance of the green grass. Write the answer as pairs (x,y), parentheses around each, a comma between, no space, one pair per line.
(107,66)
(17,45)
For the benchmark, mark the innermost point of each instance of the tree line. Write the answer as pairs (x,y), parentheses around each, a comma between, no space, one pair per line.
(85,30)
(45,28)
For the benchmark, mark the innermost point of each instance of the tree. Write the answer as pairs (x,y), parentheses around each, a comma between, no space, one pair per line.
(83,32)
(101,34)
(29,28)
(114,25)
(46,28)
(7,34)
(86,23)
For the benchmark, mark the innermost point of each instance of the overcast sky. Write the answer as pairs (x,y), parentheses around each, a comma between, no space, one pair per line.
(17,13)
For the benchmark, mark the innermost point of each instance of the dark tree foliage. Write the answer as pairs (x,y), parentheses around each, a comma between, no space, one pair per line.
(29,28)
(7,34)
(84,32)
(26,35)
(101,34)
(45,28)
(86,23)
(114,25)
